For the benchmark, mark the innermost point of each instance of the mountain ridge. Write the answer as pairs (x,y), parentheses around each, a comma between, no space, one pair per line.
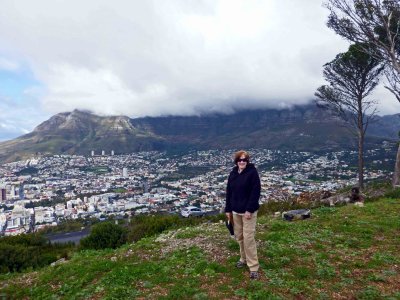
(305,128)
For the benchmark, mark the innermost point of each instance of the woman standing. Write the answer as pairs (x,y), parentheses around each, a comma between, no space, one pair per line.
(242,195)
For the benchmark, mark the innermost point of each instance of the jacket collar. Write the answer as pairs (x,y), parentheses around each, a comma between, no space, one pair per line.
(248,168)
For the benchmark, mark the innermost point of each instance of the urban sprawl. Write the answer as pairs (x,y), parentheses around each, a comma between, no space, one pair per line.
(44,191)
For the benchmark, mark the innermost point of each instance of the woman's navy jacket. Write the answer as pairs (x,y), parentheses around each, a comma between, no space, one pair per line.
(243,190)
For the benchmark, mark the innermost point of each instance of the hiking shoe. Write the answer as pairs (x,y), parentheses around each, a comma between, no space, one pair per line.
(240,264)
(254,275)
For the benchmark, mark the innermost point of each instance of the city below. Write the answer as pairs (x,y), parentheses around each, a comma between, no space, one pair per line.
(45,191)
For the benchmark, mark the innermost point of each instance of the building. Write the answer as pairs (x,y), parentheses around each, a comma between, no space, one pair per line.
(21,193)
(59,210)
(3,221)
(44,215)
(124,172)
(12,191)
(145,186)
(19,221)
(3,194)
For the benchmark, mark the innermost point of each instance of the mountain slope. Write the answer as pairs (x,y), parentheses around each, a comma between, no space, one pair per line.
(78,133)
(386,126)
(340,253)
(299,128)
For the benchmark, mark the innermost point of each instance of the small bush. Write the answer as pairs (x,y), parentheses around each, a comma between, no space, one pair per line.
(33,240)
(144,226)
(273,206)
(104,235)
(26,251)
(393,193)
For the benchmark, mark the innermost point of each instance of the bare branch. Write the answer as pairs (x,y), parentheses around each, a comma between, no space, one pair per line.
(371,23)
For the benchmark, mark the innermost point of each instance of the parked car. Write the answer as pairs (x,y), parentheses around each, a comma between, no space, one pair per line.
(192,211)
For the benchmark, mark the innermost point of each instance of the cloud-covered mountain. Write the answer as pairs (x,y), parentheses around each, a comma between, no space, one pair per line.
(306,128)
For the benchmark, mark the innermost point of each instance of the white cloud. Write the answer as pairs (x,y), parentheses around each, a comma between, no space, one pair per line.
(19,118)
(8,65)
(170,57)
(387,103)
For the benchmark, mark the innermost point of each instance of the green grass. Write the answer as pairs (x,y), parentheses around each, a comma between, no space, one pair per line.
(341,252)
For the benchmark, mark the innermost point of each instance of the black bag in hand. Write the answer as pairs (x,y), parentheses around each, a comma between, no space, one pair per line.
(229,225)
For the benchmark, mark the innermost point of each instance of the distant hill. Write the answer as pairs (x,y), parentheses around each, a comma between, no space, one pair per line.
(299,128)
(386,126)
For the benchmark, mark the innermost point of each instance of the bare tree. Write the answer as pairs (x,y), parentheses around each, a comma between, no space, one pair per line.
(352,76)
(377,23)
(281,195)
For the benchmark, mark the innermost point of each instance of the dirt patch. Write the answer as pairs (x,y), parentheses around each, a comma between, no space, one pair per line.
(212,287)
(24,280)
(212,242)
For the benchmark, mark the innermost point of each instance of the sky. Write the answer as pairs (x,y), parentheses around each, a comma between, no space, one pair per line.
(155,57)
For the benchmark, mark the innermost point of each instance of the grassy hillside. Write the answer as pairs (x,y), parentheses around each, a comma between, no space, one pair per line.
(340,253)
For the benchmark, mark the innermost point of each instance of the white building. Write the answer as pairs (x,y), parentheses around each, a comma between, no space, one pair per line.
(44,215)
(59,210)
(19,221)
(3,221)
(124,172)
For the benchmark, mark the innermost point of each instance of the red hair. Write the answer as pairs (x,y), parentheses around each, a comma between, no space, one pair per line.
(239,154)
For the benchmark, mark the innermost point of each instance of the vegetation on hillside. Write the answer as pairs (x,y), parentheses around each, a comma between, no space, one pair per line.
(29,251)
(104,235)
(345,252)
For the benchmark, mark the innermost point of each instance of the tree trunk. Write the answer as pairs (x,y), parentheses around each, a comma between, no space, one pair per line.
(361,161)
(396,175)
(361,134)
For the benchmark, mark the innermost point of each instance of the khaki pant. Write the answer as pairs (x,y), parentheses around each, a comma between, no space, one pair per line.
(244,234)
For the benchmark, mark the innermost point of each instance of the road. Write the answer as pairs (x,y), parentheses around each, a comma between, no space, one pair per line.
(66,237)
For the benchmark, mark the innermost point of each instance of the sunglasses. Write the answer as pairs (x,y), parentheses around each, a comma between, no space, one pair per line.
(242,160)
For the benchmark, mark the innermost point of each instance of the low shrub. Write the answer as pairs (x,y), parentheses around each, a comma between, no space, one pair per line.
(145,226)
(393,193)
(273,206)
(28,251)
(104,235)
